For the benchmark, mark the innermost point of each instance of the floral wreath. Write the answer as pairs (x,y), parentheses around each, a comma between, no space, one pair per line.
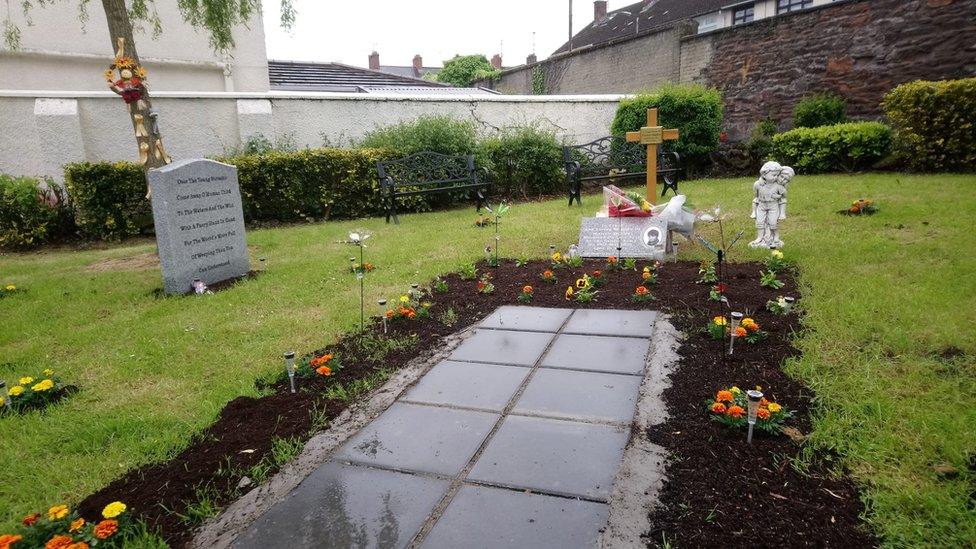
(131,82)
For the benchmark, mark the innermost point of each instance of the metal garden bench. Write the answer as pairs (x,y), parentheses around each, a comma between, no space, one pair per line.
(614,159)
(430,173)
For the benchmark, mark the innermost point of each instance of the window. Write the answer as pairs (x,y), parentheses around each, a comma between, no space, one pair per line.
(786,6)
(708,22)
(743,14)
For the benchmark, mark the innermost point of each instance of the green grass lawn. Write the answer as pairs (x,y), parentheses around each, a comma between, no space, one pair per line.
(887,298)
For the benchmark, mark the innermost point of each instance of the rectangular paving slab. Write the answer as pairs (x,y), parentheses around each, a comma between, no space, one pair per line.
(613,323)
(496,518)
(420,438)
(555,456)
(502,346)
(466,384)
(585,396)
(621,355)
(347,506)
(538,319)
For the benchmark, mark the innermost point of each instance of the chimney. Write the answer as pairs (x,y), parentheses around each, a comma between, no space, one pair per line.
(496,61)
(418,65)
(531,59)
(374,61)
(599,10)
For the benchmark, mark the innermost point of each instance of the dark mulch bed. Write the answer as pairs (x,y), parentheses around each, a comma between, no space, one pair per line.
(720,491)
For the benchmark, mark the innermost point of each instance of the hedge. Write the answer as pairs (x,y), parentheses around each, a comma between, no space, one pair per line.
(696,111)
(842,147)
(32,212)
(935,123)
(109,199)
(523,162)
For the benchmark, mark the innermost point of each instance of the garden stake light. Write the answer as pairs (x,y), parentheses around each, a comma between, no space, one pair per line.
(382,304)
(789,304)
(290,368)
(6,397)
(754,398)
(359,239)
(262,262)
(415,290)
(736,321)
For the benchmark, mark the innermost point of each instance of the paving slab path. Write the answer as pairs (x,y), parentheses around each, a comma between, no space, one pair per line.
(513,441)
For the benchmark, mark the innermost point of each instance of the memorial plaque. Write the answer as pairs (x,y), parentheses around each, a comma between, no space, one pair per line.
(643,237)
(199,223)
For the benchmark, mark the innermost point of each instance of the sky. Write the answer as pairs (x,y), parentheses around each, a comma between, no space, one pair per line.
(347,31)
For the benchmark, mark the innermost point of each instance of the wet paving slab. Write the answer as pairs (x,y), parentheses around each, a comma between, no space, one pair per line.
(514,441)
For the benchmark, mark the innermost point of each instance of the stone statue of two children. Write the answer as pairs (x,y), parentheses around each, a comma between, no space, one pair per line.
(769,204)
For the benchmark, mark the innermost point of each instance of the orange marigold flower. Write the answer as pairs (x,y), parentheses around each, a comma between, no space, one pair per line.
(641,290)
(763,414)
(105,529)
(411,314)
(78,545)
(319,361)
(526,289)
(6,540)
(29,520)
(735,411)
(597,274)
(724,396)
(390,313)
(547,274)
(740,332)
(612,260)
(718,408)
(76,524)
(646,275)
(323,371)
(59,542)
(763,403)
(481,284)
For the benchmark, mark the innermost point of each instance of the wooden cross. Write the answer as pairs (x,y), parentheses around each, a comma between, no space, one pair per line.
(652,135)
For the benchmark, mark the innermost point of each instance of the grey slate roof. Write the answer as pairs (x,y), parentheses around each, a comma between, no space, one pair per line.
(404,70)
(336,77)
(638,18)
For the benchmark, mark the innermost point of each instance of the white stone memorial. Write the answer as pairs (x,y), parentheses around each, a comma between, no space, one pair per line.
(199,223)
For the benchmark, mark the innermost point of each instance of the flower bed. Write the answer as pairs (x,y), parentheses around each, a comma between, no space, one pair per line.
(33,393)
(710,463)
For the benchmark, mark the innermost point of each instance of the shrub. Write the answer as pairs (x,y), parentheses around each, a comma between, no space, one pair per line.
(822,109)
(439,133)
(841,147)
(935,123)
(109,199)
(523,162)
(760,144)
(464,70)
(696,111)
(32,212)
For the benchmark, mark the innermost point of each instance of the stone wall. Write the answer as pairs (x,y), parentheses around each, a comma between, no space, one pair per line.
(40,133)
(858,49)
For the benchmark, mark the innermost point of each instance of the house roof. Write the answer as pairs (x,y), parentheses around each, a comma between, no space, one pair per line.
(336,77)
(638,17)
(407,70)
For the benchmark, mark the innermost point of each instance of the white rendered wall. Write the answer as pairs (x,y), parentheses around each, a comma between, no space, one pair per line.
(39,133)
(58,52)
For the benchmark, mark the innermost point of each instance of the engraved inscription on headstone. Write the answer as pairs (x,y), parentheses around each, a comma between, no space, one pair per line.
(644,237)
(199,223)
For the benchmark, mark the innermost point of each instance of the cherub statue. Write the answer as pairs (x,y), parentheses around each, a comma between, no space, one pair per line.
(769,204)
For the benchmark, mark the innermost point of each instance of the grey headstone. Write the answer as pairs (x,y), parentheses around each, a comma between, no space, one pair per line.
(199,223)
(644,237)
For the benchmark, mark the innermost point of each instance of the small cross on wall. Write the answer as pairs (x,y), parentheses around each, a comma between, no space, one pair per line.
(652,135)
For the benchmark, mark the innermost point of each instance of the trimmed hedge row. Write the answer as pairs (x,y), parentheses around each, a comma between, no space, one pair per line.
(849,147)
(935,123)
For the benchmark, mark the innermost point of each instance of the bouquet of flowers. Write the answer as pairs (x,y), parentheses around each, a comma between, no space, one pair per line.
(620,203)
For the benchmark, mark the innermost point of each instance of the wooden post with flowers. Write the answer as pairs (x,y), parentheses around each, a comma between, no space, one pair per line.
(127,78)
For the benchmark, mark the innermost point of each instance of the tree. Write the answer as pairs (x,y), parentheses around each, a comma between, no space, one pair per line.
(218,17)
(465,70)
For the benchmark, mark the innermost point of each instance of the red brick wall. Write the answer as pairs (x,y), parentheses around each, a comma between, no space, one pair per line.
(858,49)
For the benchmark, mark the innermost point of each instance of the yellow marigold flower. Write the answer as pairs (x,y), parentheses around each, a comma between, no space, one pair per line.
(735,390)
(773,407)
(26,380)
(719,320)
(57,512)
(777,254)
(48,372)
(43,385)
(404,299)
(113,509)
(11,287)
(16,390)
(557,257)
